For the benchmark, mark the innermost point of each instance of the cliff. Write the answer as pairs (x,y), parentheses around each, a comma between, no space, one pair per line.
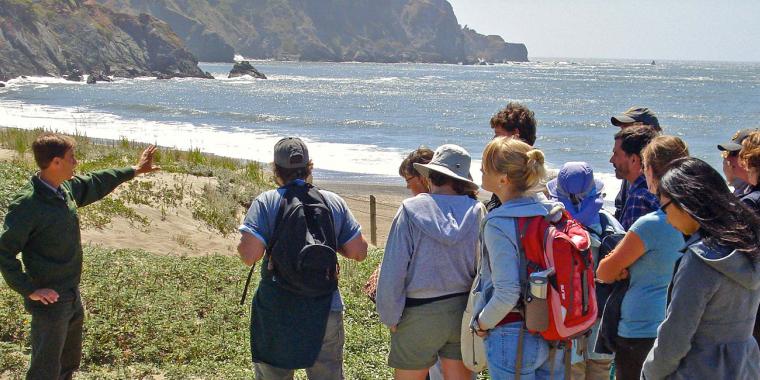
(325,30)
(492,48)
(57,37)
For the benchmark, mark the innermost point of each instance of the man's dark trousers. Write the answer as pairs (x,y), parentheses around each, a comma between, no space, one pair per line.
(56,337)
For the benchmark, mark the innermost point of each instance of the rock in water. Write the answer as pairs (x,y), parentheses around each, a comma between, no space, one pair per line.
(75,75)
(97,77)
(2,84)
(245,68)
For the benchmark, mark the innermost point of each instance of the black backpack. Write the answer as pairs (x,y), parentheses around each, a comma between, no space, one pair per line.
(301,255)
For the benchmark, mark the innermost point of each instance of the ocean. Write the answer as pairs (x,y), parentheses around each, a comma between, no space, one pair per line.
(359,119)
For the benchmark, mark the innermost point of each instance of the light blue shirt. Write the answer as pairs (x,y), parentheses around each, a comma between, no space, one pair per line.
(261,219)
(645,301)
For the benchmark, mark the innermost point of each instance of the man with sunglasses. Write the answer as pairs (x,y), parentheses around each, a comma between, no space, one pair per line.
(736,175)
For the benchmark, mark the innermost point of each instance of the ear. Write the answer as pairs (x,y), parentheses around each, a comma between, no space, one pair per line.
(635,160)
(504,180)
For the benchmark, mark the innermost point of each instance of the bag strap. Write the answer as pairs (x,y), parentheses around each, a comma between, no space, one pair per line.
(552,357)
(519,358)
(329,214)
(481,244)
(519,235)
(247,282)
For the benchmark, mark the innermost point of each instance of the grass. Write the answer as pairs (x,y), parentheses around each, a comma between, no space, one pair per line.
(172,317)
(179,317)
(219,207)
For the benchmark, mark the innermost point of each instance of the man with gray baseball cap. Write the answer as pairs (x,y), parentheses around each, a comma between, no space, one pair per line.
(290,330)
(634,116)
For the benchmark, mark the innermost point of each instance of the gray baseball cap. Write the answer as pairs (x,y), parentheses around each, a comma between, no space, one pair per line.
(636,115)
(291,153)
(735,144)
(452,161)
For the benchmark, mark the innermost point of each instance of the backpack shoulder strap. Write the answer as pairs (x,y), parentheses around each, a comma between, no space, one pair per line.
(321,196)
(521,225)
(278,220)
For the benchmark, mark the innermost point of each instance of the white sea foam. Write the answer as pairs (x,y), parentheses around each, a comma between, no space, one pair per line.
(250,144)
(238,143)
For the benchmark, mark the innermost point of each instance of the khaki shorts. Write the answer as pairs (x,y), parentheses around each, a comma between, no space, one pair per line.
(426,332)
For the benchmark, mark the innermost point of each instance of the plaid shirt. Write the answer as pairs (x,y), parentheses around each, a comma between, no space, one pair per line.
(638,203)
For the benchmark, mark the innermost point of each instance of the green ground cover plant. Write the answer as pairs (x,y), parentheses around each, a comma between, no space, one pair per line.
(179,317)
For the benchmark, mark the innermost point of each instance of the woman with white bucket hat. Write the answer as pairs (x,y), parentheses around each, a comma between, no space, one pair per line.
(428,268)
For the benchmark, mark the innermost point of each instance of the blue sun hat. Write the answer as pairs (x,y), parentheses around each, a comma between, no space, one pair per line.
(579,191)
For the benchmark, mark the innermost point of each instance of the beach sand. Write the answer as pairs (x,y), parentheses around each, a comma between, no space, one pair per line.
(176,232)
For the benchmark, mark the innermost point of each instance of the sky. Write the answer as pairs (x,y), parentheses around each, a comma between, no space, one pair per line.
(644,29)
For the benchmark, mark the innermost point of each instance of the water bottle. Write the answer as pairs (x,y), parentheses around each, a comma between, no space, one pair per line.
(539,283)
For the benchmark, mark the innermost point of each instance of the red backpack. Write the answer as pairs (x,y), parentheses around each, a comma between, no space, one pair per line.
(563,247)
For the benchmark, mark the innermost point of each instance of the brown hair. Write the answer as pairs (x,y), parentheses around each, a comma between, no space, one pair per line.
(662,151)
(48,146)
(438,179)
(750,152)
(421,155)
(634,139)
(283,176)
(523,165)
(516,116)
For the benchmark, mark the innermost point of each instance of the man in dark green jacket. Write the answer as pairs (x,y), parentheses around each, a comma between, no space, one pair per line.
(42,224)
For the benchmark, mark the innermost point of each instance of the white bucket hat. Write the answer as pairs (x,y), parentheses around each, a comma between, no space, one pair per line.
(452,161)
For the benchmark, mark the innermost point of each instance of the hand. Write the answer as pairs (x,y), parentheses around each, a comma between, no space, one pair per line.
(145,165)
(393,329)
(480,331)
(623,275)
(46,296)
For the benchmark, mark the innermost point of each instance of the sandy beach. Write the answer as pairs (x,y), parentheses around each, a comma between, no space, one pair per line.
(174,231)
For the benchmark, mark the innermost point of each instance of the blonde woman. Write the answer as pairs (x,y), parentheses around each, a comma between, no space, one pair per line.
(512,170)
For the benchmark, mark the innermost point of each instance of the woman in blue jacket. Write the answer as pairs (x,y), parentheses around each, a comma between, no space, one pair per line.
(707,332)
(513,171)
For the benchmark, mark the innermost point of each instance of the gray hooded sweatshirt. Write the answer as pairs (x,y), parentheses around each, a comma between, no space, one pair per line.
(430,251)
(707,332)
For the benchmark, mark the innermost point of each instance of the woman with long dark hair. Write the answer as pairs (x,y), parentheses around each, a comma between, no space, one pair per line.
(707,332)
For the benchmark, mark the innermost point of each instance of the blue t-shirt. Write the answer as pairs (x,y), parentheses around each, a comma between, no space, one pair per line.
(645,302)
(262,216)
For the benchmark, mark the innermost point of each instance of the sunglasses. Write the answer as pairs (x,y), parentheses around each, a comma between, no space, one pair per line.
(665,206)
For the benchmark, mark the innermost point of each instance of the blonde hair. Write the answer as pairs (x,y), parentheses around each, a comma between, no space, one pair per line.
(523,165)
(663,150)
(750,152)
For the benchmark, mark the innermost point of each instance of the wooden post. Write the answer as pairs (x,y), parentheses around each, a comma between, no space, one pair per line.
(373,219)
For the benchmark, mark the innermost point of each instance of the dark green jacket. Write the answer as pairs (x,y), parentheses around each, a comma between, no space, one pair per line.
(45,229)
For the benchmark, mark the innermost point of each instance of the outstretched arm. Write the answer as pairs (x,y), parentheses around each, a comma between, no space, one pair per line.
(93,187)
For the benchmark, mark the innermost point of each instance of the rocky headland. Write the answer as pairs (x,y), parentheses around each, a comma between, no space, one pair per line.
(325,30)
(70,37)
